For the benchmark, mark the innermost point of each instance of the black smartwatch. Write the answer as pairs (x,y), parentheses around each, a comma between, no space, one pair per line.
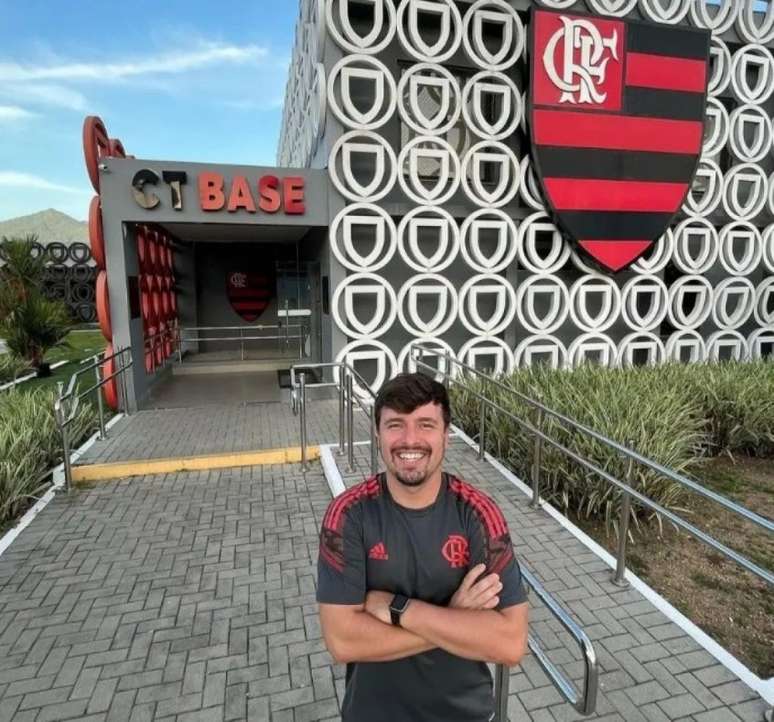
(397,607)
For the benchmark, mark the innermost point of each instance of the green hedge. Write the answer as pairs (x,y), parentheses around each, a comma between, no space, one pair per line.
(675,414)
(30,444)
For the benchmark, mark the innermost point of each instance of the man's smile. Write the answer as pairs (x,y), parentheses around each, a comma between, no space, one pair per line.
(411,455)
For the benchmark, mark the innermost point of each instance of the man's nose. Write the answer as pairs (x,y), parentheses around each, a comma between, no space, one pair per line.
(410,435)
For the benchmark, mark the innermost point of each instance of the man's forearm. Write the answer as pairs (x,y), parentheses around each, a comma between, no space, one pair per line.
(369,640)
(479,634)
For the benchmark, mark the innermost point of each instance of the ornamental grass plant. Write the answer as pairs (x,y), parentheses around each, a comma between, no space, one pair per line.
(673,414)
(30,444)
(737,401)
(11,368)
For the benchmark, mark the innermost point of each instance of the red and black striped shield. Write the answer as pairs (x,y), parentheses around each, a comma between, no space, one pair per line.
(616,114)
(249,293)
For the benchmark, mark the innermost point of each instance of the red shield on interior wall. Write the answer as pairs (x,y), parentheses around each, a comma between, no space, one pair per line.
(249,293)
(616,115)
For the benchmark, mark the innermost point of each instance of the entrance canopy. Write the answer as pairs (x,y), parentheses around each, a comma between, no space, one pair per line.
(220,260)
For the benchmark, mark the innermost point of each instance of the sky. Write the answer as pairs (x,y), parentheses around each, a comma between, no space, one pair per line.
(173,79)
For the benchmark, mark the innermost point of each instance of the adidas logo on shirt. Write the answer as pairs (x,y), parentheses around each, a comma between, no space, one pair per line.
(378,551)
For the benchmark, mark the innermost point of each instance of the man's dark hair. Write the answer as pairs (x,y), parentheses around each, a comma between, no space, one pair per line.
(407,392)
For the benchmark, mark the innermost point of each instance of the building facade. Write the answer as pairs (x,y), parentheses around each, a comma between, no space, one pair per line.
(424,212)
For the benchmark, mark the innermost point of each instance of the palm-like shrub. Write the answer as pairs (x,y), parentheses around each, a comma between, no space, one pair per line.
(30,444)
(34,327)
(30,323)
(23,267)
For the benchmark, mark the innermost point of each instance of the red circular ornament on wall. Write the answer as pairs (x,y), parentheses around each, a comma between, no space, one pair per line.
(153,253)
(96,235)
(110,388)
(103,306)
(96,145)
(146,300)
(165,304)
(150,364)
(159,344)
(116,148)
(142,247)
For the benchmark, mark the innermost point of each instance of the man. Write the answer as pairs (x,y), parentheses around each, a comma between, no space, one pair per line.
(417,582)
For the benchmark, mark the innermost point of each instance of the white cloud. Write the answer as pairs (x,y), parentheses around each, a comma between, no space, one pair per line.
(169,63)
(13,179)
(45,94)
(14,112)
(246,104)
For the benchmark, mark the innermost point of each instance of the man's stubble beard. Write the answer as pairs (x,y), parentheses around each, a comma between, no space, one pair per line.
(413,483)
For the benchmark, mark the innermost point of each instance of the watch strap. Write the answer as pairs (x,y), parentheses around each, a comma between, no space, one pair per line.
(397,607)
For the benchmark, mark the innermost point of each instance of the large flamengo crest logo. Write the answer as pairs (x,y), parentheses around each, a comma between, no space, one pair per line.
(616,112)
(249,293)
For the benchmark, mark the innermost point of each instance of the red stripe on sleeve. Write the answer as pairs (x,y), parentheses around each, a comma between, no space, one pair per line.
(583,194)
(666,73)
(616,132)
(490,513)
(370,487)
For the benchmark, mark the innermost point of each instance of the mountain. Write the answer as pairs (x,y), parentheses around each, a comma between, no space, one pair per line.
(49,225)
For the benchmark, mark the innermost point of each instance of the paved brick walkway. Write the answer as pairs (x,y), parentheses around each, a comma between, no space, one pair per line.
(190,597)
(218,428)
(186,596)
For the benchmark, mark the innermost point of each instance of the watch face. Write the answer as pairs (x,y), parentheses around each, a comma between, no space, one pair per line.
(399,603)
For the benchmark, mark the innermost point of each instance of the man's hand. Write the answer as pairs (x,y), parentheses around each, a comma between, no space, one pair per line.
(377,604)
(481,594)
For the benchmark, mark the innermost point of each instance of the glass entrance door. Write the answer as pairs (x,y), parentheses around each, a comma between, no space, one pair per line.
(298,308)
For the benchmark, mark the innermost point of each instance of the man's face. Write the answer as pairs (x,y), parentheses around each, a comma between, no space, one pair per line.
(413,445)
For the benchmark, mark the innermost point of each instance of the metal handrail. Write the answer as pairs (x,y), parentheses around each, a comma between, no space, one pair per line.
(285,335)
(585,703)
(628,491)
(257,326)
(347,399)
(67,401)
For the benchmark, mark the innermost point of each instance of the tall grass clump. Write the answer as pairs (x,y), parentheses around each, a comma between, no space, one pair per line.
(661,421)
(737,401)
(30,444)
(11,368)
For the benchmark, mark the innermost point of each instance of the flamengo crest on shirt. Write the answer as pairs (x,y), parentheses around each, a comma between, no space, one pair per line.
(616,111)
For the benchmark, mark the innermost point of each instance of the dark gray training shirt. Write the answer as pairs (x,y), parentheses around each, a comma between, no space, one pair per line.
(368,541)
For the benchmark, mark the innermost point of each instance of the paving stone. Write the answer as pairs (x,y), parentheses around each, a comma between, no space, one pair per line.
(681,706)
(102,696)
(647,692)
(716,715)
(63,711)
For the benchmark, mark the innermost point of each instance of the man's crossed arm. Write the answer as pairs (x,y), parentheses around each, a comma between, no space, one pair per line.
(468,627)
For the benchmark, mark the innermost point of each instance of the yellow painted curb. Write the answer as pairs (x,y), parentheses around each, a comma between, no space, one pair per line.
(98,472)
